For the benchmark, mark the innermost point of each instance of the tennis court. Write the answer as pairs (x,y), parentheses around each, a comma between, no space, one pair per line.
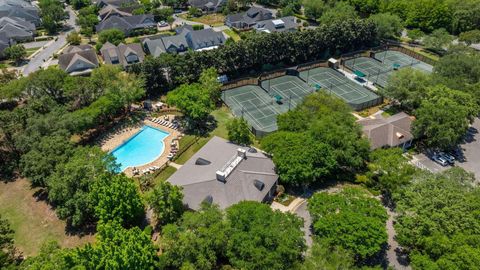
(336,83)
(374,70)
(287,89)
(400,60)
(253,104)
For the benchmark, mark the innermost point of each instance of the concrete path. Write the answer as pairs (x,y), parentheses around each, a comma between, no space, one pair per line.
(175,165)
(298,207)
(395,256)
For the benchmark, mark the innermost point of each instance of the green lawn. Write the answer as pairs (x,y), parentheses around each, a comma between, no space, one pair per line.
(33,221)
(214,19)
(222,115)
(232,34)
(164,175)
(31,51)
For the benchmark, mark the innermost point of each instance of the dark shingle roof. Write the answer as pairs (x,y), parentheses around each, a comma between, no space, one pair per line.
(127,24)
(72,55)
(251,179)
(205,38)
(124,54)
(253,14)
(277,25)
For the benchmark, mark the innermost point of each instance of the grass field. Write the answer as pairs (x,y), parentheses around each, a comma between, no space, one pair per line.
(232,34)
(222,115)
(33,221)
(164,175)
(214,19)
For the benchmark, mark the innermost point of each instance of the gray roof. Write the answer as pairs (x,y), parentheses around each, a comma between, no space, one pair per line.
(201,4)
(205,38)
(244,182)
(21,9)
(127,24)
(392,131)
(252,15)
(117,3)
(109,10)
(16,29)
(185,38)
(124,54)
(277,25)
(74,56)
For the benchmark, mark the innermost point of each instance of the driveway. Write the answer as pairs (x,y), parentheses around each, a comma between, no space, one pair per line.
(53,46)
(471,150)
(302,212)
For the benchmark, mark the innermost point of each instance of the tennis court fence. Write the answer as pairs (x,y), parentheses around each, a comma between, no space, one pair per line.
(312,65)
(240,82)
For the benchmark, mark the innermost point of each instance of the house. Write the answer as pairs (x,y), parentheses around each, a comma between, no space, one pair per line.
(224,173)
(78,60)
(388,132)
(17,29)
(285,24)
(185,38)
(122,54)
(127,24)
(115,3)
(208,6)
(20,9)
(109,10)
(247,20)
(5,42)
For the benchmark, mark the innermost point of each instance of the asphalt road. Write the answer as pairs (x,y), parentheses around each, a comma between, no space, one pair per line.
(471,150)
(53,46)
(302,212)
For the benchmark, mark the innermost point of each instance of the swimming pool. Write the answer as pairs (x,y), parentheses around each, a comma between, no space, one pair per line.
(142,148)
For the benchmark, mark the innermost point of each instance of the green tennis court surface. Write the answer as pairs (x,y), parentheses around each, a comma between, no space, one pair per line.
(374,70)
(253,104)
(287,89)
(333,82)
(392,58)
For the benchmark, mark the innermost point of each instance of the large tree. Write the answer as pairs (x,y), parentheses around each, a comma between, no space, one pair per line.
(444,117)
(438,220)
(71,184)
(7,249)
(317,139)
(197,241)
(389,26)
(166,202)
(321,256)
(299,159)
(407,86)
(116,198)
(16,53)
(389,171)
(352,219)
(260,238)
(52,14)
(341,11)
(239,132)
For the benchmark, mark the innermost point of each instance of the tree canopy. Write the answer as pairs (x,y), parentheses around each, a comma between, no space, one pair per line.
(239,132)
(351,219)
(438,220)
(248,236)
(315,140)
(166,201)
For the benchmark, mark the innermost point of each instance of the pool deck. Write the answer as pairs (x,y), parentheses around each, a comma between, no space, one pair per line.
(121,136)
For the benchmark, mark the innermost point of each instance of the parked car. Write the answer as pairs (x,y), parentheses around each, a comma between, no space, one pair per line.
(450,159)
(440,160)
(162,24)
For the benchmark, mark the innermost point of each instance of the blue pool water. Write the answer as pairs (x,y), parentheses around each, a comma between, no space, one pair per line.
(142,148)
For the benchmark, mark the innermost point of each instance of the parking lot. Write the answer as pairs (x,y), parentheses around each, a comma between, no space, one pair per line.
(471,150)
(469,159)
